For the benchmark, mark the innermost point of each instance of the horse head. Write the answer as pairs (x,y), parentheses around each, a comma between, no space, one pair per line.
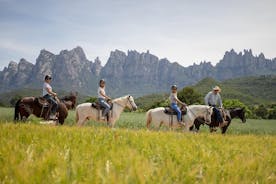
(241,114)
(130,103)
(208,114)
(70,100)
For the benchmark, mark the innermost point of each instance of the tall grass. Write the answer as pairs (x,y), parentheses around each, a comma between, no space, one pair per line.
(34,153)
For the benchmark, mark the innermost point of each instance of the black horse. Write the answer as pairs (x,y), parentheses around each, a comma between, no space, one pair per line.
(230,114)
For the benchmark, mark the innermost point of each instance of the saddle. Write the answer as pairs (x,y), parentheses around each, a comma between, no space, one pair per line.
(97,106)
(170,111)
(42,102)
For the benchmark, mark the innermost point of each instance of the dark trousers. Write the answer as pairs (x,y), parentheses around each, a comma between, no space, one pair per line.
(218,115)
(53,103)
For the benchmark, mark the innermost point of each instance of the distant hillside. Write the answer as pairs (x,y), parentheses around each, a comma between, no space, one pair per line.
(126,73)
(249,90)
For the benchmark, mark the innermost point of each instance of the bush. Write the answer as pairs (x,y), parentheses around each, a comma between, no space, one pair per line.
(262,112)
(189,96)
(91,99)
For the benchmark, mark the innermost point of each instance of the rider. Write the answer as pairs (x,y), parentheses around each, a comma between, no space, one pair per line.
(173,103)
(49,95)
(213,99)
(103,98)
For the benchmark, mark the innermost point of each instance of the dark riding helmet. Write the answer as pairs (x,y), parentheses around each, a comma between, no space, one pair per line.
(174,87)
(47,77)
(101,81)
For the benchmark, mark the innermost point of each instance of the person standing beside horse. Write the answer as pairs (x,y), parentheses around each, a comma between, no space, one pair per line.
(49,95)
(173,103)
(213,99)
(103,99)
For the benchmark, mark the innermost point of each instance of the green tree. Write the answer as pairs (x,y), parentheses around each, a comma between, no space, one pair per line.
(261,111)
(91,99)
(272,114)
(189,96)
(234,103)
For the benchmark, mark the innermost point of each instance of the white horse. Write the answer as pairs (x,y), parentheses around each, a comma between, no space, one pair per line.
(86,112)
(159,118)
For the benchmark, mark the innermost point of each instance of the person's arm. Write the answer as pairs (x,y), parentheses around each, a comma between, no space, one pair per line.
(50,91)
(220,101)
(107,97)
(206,99)
(179,101)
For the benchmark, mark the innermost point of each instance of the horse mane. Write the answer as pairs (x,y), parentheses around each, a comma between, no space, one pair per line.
(120,98)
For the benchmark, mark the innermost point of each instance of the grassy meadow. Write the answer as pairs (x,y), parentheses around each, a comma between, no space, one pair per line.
(35,153)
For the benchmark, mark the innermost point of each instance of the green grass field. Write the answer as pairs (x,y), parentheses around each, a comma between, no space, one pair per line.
(34,153)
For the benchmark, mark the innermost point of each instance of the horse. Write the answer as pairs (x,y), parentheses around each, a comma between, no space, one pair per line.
(85,111)
(26,106)
(159,118)
(230,114)
(70,100)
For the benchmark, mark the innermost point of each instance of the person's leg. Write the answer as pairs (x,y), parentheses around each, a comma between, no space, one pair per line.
(54,106)
(178,111)
(106,106)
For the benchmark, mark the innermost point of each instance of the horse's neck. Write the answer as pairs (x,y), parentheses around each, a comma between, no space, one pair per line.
(233,113)
(196,112)
(118,107)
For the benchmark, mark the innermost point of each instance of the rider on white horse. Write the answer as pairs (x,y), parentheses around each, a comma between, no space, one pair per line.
(173,103)
(103,98)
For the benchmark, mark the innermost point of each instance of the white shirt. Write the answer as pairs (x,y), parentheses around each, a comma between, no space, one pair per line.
(173,98)
(101,90)
(45,87)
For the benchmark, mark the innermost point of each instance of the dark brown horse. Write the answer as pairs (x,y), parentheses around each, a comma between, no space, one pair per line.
(70,100)
(32,105)
(230,114)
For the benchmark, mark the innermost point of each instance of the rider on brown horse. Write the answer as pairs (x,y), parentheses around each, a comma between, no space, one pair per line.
(49,95)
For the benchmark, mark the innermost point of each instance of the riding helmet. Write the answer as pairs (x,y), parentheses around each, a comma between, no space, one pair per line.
(174,87)
(47,77)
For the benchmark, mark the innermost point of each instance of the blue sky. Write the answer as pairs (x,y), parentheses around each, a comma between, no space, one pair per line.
(185,31)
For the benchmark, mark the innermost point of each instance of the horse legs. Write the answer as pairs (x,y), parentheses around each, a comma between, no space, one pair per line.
(81,121)
(223,129)
(149,119)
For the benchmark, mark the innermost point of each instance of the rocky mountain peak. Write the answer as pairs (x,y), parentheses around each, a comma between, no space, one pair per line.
(132,72)
(12,66)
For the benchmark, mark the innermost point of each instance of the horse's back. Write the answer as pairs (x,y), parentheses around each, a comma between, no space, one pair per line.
(157,109)
(83,105)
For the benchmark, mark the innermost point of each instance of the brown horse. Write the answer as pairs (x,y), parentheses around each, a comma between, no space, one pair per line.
(32,105)
(230,114)
(70,100)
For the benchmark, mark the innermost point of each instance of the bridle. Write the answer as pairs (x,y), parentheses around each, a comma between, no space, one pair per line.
(128,101)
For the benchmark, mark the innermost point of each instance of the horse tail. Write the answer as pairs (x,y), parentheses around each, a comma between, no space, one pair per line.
(16,110)
(149,118)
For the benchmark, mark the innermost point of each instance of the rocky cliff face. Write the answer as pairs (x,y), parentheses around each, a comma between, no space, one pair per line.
(132,72)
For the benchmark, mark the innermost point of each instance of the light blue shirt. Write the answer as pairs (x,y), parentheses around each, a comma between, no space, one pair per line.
(213,99)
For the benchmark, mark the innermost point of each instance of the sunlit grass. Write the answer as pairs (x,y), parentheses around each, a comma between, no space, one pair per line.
(34,153)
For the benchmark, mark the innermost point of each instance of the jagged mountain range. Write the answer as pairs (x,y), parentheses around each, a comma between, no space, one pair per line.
(126,73)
